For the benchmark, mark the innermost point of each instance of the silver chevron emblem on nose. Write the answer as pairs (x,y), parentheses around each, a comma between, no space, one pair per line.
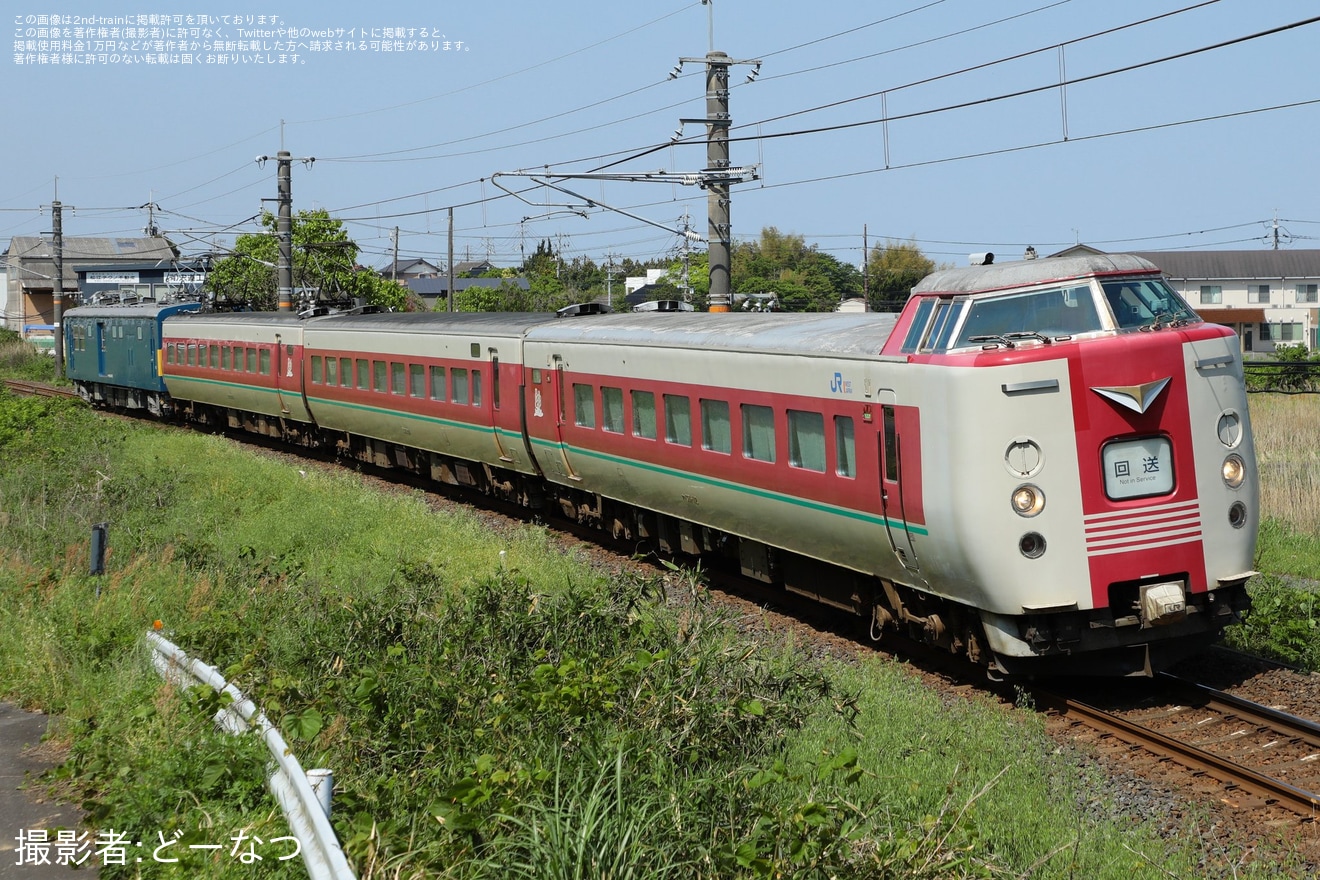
(1137,398)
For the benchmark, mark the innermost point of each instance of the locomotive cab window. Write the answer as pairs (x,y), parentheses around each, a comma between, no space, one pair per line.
(1146,302)
(1052,313)
(933,324)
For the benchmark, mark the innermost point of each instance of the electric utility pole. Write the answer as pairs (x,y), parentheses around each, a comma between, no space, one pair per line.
(57,286)
(284,225)
(717,178)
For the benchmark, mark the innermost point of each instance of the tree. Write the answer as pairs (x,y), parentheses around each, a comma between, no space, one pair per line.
(893,269)
(801,277)
(324,258)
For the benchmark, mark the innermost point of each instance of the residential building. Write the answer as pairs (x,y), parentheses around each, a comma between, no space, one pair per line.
(30,269)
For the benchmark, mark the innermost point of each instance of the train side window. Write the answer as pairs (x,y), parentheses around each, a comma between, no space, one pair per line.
(476,387)
(226,357)
(138,329)
(458,386)
(806,440)
(643,420)
(758,424)
(364,374)
(845,447)
(678,420)
(169,349)
(416,380)
(265,362)
(716,435)
(215,356)
(192,354)
(251,360)
(438,383)
(378,376)
(398,383)
(611,410)
(317,369)
(346,372)
(584,406)
(332,371)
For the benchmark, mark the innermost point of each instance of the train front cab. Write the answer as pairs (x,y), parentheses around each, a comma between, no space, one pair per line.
(1103,512)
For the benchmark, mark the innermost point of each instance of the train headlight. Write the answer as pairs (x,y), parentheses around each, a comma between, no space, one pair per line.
(1032,545)
(1234,471)
(1028,500)
(1237,515)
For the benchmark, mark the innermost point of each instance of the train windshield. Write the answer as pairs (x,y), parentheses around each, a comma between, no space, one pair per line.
(1052,313)
(1146,302)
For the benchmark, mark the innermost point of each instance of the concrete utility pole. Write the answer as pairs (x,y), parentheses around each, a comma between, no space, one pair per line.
(449,288)
(718,176)
(284,226)
(57,286)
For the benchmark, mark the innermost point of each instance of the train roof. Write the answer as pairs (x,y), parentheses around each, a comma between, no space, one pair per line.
(816,333)
(477,323)
(132,310)
(280,318)
(1029,273)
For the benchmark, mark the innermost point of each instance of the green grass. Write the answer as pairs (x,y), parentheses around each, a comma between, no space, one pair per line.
(486,715)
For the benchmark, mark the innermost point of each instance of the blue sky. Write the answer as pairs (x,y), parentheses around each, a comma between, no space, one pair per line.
(1116,158)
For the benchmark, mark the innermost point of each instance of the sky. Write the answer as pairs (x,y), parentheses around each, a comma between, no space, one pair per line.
(961,125)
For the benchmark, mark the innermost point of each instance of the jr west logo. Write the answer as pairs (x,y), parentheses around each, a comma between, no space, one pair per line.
(840,385)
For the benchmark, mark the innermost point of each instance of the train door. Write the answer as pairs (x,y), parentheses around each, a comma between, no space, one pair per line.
(283,371)
(893,502)
(504,450)
(100,348)
(561,414)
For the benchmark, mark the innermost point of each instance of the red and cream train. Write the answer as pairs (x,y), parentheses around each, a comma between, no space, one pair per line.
(1044,465)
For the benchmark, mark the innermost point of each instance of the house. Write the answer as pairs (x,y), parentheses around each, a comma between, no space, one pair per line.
(1268,297)
(30,273)
(473,269)
(414,267)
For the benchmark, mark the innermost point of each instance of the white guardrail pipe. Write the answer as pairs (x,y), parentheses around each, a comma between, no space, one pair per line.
(306,811)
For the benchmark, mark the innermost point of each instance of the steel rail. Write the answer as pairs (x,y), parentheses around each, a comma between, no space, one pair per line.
(37,389)
(1251,712)
(1232,775)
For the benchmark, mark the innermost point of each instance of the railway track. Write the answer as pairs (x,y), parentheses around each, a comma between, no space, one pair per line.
(37,389)
(1259,757)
